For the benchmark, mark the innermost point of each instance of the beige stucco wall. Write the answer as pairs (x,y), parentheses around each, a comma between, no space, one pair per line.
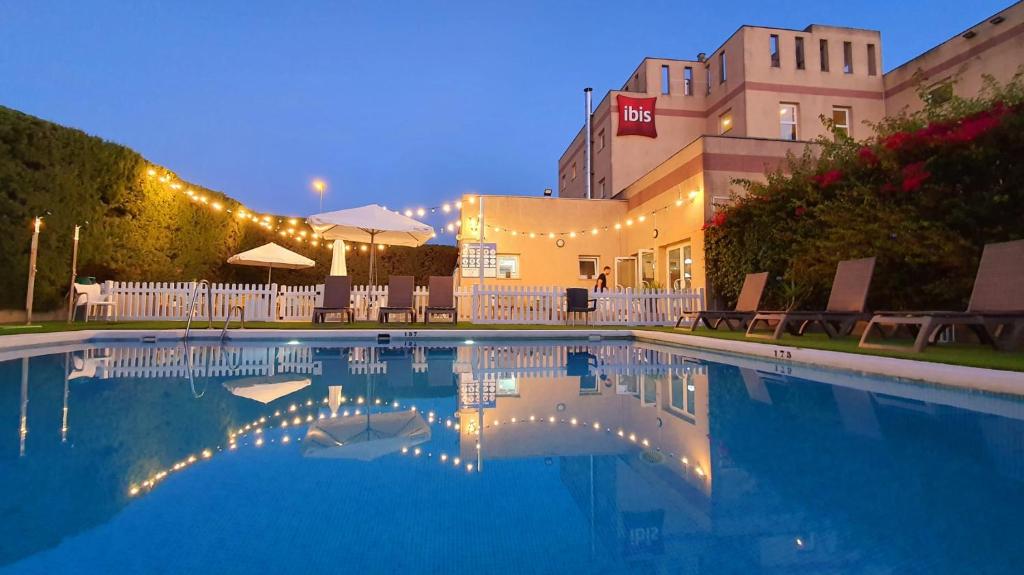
(815,92)
(751,94)
(996,50)
(541,262)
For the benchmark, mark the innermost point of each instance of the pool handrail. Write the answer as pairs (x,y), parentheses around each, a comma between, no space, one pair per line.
(192,305)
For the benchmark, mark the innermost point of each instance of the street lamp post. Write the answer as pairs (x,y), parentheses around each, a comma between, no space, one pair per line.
(32,271)
(74,270)
(320,186)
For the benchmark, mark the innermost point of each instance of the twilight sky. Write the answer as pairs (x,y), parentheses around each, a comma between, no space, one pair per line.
(391,102)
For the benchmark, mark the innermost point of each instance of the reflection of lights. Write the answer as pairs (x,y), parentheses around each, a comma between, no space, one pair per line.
(294,342)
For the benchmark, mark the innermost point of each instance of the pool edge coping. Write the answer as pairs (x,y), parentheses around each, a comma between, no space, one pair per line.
(944,374)
(958,376)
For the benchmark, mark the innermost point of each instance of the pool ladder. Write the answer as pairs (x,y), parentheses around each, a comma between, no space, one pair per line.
(227,320)
(192,306)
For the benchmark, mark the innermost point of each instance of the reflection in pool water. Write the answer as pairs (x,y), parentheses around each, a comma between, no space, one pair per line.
(495,457)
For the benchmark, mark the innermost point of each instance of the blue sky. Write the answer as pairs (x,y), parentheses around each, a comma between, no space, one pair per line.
(400,103)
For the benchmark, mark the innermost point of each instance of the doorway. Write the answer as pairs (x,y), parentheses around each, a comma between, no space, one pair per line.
(679,271)
(625,272)
(647,268)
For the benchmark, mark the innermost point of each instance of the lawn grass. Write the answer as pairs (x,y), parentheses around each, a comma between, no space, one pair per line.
(966,354)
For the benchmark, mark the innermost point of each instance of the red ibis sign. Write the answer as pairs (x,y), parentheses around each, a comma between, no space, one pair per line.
(636,116)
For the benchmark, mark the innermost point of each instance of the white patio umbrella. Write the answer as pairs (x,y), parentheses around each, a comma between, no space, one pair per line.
(372,224)
(272,256)
(267,389)
(338,267)
(366,439)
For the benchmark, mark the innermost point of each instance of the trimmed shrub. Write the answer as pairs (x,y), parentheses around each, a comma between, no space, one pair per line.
(139,229)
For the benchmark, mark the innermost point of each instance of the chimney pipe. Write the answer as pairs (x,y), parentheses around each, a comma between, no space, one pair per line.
(587,145)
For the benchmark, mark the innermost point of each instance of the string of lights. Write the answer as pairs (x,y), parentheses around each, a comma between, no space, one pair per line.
(582,231)
(291,228)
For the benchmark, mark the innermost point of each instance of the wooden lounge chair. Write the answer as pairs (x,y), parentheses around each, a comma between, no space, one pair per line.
(995,312)
(576,303)
(441,298)
(400,296)
(337,299)
(745,310)
(847,303)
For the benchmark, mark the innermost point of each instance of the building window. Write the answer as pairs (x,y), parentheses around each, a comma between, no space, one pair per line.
(939,93)
(562,188)
(800,64)
(721,67)
(773,49)
(872,62)
(574,171)
(664,80)
(707,77)
(847,57)
(688,81)
(725,122)
(600,140)
(601,188)
(788,121)
(823,56)
(841,121)
(588,267)
(508,266)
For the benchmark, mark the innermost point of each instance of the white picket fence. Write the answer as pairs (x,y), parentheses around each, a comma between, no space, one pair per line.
(546,305)
(136,301)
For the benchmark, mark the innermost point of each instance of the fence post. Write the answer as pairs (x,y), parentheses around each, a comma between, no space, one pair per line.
(473,302)
(273,314)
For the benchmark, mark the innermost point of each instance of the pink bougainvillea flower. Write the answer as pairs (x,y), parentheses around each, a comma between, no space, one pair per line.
(970,130)
(913,176)
(896,141)
(827,179)
(799,211)
(868,156)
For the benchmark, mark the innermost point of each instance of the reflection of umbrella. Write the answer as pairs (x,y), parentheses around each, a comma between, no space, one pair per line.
(272,256)
(365,439)
(266,389)
(373,224)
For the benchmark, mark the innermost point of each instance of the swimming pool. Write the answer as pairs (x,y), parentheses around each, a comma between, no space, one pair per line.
(494,457)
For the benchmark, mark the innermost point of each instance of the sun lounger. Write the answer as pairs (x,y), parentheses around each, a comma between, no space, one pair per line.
(400,296)
(995,312)
(847,303)
(441,299)
(337,299)
(745,310)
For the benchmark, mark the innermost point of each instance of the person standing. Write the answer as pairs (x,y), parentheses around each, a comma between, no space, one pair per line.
(602,280)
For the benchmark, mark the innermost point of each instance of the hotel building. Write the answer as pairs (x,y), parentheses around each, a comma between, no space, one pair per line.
(668,146)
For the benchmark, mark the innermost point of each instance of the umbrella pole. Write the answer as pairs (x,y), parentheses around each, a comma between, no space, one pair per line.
(373,260)
(270,269)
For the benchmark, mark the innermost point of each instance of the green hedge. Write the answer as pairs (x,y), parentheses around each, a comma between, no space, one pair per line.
(139,228)
(923,195)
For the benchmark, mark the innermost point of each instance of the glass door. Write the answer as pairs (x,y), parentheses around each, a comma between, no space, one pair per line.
(646,264)
(625,272)
(679,272)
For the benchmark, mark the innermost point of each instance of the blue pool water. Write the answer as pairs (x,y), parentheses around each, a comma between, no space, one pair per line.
(496,457)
